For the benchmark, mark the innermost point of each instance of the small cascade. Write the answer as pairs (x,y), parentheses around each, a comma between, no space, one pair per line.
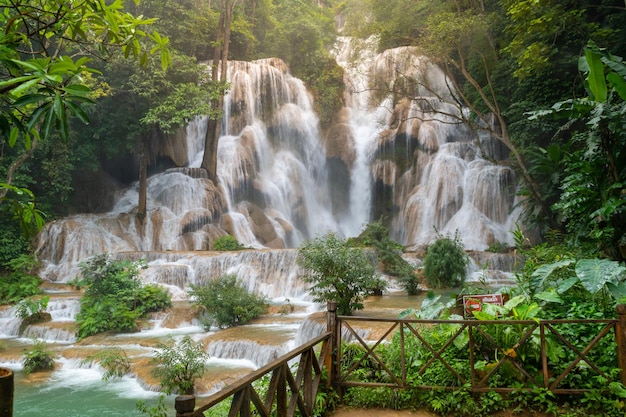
(51,333)
(9,322)
(272,273)
(63,309)
(247,350)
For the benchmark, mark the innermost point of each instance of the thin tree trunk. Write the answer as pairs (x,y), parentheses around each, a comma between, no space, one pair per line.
(143,179)
(16,164)
(219,69)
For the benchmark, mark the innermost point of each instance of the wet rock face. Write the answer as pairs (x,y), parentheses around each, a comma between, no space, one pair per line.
(396,151)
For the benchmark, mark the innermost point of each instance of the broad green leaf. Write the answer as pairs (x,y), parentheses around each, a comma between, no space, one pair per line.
(48,123)
(494,309)
(13,136)
(617,291)
(595,273)
(36,115)
(25,86)
(77,111)
(462,340)
(406,313)
(16,80)
(566,284)
(618,83)
(29,99)
(483,315)
(597,83)
(514,302)
(526,311)
(544,271)
(549,296)
(78,90)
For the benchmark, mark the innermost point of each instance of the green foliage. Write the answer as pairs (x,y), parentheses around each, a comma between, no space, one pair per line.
(30,307)
(389,254)
(338,272)
(44,88)
(225,302)
(114,360)
(12,243)
(226,243)
(158,410)
(179,364)
(592,205)
(38,358)
(498,247)
(22,282)
(114,298)
(445,262)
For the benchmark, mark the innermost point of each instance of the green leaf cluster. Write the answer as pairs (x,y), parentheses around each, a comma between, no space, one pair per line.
(225,302)
(21,282)
(114,361)
(339,272)
(115,298)
(389,254)
(29,307)
(226,243)
(39,358)
(445,263)
(179,364)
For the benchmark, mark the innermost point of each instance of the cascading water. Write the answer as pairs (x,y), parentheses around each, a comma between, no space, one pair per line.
(274,192)
(417,157)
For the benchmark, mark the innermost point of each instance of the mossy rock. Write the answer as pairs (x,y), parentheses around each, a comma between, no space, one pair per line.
(40,317)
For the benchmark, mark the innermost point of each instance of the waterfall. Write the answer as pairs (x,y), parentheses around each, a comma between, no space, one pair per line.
(248,350)
(272,273)
(416,162)
(9,322)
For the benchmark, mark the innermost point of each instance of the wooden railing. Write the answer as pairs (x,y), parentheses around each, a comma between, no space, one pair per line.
(465,367)
(293,389)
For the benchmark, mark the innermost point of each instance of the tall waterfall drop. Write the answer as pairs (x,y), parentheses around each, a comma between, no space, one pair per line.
(405,158)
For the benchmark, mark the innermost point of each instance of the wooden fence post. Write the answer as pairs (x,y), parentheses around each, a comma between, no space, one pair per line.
(185,405)
(6,392)
(620,340)
(332,361)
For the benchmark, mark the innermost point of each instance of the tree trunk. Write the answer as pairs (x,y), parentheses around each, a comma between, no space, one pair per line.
(143,179)
(209,158)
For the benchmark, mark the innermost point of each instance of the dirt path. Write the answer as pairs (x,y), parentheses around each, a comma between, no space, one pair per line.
(379,412)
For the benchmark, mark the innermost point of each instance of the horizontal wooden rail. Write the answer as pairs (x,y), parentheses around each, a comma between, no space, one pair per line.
(293,391)
(286,393)
(479,341)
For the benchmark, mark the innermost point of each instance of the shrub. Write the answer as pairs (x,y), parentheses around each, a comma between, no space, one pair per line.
(22,282)
(152,298)
(30,307)
(114,360)
(226,243)
(498,247)
(225,302)
(39,358)
(115,298)
(339,272)
(179,365)
(389,254)
(445,262)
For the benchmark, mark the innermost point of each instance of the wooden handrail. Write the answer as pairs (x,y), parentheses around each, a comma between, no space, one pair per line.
(475,328)
(305,385)
(186,407)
